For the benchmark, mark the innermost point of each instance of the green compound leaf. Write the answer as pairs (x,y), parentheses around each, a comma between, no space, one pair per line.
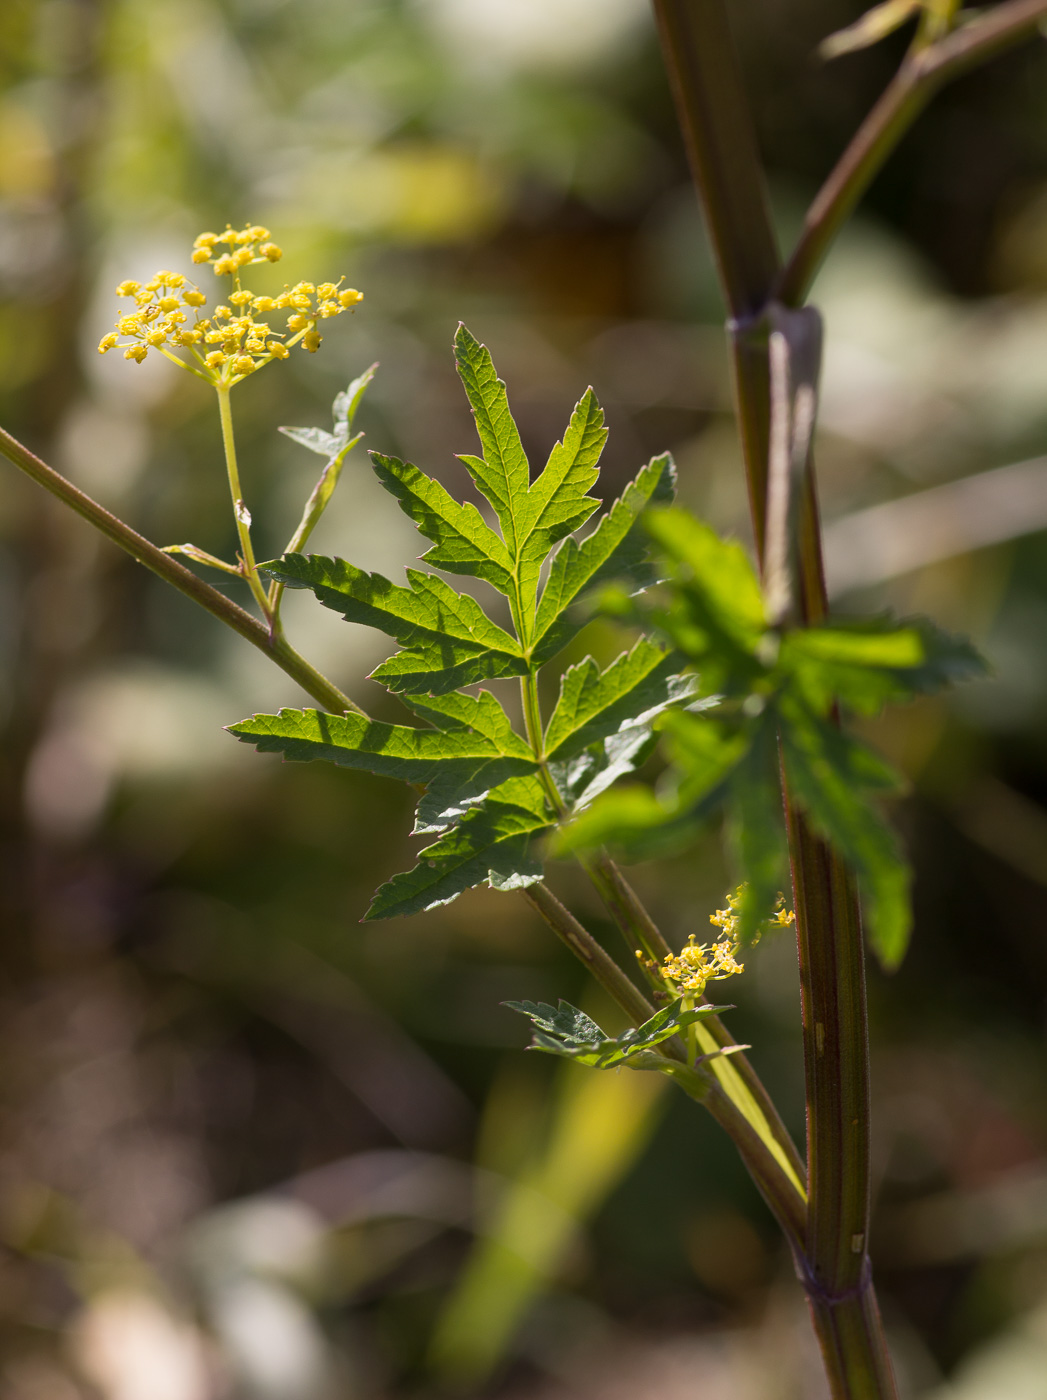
(616,550)
(557,504)
(494,843)
(566,1031)
(640,823)
(594,704)
(462,542)
(449,640)
(503,473)
(391,750)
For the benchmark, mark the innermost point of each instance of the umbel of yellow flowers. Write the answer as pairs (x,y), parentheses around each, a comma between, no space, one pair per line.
(230,343)
(699,963)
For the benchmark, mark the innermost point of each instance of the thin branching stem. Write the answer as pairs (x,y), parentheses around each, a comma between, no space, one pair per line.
(327,695)
(924,71)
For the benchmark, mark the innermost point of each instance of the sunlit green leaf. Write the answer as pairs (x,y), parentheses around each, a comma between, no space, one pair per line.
(391,750)
(616,549)
(716,576)
(449,640)
(619,818)
(558,504)
(631,691)
(583,777)
(462,542)
(502,473)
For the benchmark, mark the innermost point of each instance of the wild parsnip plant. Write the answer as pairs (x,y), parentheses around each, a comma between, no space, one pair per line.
(741,669)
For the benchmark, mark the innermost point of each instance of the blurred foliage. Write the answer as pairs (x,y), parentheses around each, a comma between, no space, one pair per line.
(239,1141)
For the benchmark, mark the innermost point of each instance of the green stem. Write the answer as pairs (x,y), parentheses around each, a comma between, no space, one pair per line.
(924,71)
(534,728)
(595,958)
(240,512)
(164,566)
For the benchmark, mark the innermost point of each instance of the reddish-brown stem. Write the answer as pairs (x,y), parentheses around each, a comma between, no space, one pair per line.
(712,108)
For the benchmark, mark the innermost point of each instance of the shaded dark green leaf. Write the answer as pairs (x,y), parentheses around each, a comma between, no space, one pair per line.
(494,843)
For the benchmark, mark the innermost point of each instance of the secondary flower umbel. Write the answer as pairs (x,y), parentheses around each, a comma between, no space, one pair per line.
(231,342)
(699,963)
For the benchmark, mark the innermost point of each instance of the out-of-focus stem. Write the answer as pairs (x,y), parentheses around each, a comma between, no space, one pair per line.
(926,68)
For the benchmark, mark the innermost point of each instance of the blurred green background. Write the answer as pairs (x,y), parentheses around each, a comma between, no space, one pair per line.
(252,1149)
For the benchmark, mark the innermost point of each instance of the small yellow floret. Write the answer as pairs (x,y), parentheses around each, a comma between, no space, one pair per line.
(243,364)
(136,352)
(223,265)
(205,240)
(311,341)
(270,252)
(326,290)
(107,342)
(350,297)
(127,289)
(277,350)
(240,298)
(201,255)
(167,303)
(215,360)
(264,304)
(194,298)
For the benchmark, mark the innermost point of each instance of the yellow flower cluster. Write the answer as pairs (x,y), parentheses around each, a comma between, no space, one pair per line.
(699,963)
(229,344)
